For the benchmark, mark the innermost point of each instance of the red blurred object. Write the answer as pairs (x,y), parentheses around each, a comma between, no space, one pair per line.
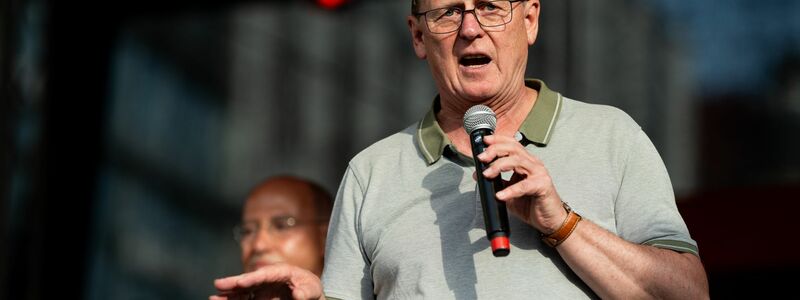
(331,4)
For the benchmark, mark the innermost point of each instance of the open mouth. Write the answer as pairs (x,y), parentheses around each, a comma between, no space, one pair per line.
(474,60)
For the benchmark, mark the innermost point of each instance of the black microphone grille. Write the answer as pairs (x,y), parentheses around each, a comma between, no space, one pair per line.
(479,117)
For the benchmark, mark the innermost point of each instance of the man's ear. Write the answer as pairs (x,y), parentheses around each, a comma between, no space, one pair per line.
(415,28)
(532,9)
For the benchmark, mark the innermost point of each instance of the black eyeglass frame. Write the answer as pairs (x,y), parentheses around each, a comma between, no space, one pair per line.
(464,12)
(295,222)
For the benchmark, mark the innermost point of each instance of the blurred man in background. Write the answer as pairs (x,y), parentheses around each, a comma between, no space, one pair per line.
(284,221)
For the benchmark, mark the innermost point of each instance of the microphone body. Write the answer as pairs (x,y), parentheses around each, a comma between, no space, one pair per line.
(495,214)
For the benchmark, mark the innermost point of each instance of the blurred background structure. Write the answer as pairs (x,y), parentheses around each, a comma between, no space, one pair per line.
(130,132)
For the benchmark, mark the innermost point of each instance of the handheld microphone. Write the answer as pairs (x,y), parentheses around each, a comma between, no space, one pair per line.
(480,121)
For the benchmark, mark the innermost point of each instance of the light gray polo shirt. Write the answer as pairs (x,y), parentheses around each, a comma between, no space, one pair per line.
(407,221)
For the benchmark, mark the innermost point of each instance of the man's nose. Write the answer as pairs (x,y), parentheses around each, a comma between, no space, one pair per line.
(263,240)
(470,27)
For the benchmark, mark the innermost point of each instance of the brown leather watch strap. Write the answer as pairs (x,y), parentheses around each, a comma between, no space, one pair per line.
(558,237)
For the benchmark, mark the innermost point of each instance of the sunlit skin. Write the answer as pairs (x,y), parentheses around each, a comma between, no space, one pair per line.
(302,246)
(504,45)
(498,84)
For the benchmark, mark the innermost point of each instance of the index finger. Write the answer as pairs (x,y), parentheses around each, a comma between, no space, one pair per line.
(228,283)
(271,274)
(263,275)
(496,139)
(500,149)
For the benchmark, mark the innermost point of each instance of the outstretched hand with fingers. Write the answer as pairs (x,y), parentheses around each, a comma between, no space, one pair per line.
(279,281)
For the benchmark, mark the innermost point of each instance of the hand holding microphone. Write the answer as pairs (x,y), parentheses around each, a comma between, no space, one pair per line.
(530,194)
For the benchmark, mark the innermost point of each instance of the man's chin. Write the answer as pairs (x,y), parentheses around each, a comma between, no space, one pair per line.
(478,96)
(477,90)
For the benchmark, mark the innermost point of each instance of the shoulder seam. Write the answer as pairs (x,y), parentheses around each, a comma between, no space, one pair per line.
(359,224)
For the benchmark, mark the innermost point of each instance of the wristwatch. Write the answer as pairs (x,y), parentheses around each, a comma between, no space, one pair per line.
(566,229)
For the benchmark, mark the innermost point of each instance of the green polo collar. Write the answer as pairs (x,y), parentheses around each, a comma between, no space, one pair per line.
(537,127)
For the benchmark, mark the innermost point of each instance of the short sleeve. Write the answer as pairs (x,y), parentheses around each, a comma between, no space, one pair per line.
(645,208)
(347,273)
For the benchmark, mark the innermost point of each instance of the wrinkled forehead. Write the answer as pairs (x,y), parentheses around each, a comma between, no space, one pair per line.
(417,5)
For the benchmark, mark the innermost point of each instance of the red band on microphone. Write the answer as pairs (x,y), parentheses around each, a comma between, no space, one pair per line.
(500,245)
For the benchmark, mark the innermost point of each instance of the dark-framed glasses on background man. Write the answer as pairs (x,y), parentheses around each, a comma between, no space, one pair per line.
(278,226)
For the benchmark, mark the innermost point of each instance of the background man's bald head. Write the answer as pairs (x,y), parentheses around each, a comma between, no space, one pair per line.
(298,189)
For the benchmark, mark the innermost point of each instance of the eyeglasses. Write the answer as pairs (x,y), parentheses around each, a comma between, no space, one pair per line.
(278,226)
(488,14)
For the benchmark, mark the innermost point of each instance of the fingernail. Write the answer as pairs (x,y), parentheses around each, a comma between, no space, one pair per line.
(501,194)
